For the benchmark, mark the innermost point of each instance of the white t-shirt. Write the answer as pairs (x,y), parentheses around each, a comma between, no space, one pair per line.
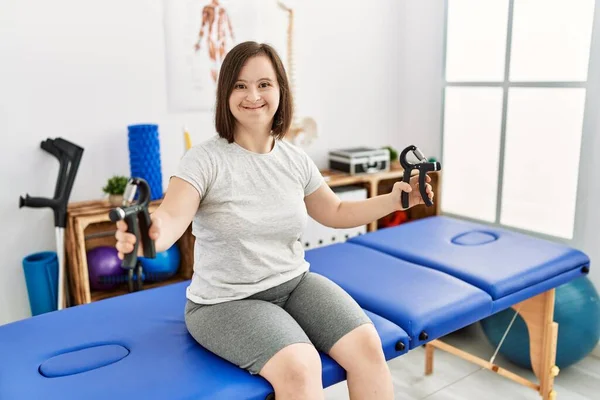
(250,218)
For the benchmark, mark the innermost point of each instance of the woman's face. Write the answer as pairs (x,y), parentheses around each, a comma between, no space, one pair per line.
(255,96)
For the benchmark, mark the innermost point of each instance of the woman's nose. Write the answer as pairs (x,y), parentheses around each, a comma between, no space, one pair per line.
(253,95)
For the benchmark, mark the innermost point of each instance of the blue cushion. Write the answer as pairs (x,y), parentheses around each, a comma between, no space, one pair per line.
(415,298)
(496,260)
(129,347)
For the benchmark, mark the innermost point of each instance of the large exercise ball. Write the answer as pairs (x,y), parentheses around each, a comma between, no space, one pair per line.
(577,312)
(164,266)
(104,268)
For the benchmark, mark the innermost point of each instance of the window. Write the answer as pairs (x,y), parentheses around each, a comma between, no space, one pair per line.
(514,97)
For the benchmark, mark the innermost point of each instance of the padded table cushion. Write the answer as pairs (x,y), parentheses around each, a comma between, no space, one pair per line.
(134,346)
(418,299)
(496,260)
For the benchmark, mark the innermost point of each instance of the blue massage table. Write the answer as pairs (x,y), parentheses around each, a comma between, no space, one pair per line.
(417,282)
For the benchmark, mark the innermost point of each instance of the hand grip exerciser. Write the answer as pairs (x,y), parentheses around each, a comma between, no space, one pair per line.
(138,222)
(423,166)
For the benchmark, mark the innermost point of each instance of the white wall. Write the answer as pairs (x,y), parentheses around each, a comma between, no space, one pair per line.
(85,70)
(365,77)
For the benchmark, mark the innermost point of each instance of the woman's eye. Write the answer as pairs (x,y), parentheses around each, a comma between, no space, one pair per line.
(264,84)
(239,86)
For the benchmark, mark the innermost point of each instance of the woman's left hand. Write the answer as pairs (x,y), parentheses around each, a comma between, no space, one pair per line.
(414,194)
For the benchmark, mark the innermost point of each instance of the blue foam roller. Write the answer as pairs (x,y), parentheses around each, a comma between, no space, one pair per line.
(144,156)
(41,279)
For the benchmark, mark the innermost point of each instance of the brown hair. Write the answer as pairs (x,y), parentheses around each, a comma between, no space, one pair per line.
(230,70)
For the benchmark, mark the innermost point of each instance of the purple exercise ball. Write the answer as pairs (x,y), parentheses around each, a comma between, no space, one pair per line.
(103,261)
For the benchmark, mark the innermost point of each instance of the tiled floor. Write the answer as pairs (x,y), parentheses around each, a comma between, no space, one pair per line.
(456,379)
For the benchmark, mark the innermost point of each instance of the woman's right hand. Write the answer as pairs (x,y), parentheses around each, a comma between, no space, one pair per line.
(126,240)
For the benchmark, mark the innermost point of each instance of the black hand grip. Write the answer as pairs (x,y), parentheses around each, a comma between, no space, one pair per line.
(427,167)
(130,259)
(138,221)
(423,189)
(406,179)
(138,216)
(145,223)
(119,213)
(423,166)
(116,214)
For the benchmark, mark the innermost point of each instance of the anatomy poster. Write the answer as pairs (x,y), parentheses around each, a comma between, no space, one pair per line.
(198,35)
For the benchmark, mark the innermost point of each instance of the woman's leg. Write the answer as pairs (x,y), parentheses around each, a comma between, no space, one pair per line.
(262,338)
(295,373)
(337,325)
(360,353)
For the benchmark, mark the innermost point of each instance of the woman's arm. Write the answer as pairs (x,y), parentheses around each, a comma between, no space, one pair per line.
(175,213)
(325,207)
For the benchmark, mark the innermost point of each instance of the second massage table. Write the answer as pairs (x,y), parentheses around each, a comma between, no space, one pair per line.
(417,282)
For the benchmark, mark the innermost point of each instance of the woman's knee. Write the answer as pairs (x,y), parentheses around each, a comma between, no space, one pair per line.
(296,367)
(360,347)
(369,344)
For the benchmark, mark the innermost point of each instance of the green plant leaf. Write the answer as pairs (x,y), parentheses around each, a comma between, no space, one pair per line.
(393,153)
(116,185)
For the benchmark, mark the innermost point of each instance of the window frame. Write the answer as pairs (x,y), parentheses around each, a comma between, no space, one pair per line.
(506,85)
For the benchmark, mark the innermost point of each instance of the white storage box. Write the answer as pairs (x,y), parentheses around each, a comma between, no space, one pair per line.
(317,235)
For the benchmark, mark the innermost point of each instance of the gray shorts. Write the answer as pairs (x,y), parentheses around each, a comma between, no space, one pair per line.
(307,309)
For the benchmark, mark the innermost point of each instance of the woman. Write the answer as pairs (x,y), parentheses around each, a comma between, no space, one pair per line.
(252,299)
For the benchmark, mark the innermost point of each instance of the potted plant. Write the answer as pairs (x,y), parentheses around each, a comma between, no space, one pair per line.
(115,187)
(394,161)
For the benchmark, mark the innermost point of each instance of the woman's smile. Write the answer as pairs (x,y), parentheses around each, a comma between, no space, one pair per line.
(253,108)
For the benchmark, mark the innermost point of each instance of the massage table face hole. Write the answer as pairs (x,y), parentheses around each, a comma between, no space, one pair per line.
(474,238)
(82,360)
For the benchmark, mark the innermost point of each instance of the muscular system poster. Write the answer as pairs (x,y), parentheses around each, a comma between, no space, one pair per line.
(198,35)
